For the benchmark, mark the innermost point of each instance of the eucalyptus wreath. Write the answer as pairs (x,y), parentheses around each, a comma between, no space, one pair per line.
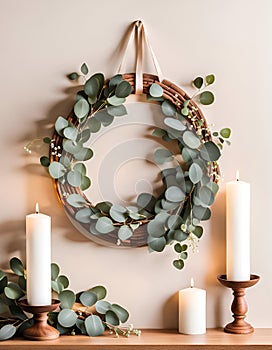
(188,182)
(85,312)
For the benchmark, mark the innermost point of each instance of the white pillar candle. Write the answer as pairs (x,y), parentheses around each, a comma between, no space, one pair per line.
(192,310)
(38,258)
(238,230)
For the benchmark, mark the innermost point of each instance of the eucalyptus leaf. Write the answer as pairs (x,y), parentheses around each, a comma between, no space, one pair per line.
(201,213)
(63,280)
(55,270)
(81,326)
(84,69)
(85,183)
(102,306)
(7,331)
(100,292)
(115,80)
(94,326)
(81,108)
(162,155)
(198,231)
(118,213)
(156,228)
(45,161)
(105,118)
(60,125)
(84,154)
(146,201)
(112,318)
(124,233)
(209,151)
(104,225)
(73,76)
(175,124)
(22,282)
(56,170)
(74,178)
(76,200)
(123,89)
(191,140)
(174,194)
(84,136)
(168,109)
(16,266)
(174,222)
(88,298)
(157,244)
(225,132)
(67,318)
(116,101)
(195,173)
(189,154)
(206,196)
(117,111)
(94,85)
(71,146)
(210,79)
(158,132)
(122,313)
(67,299)
(180,235)
(156,90)
(94,124)
(179,264)
(80,167)
(13,291)
(83,215)
(104,207)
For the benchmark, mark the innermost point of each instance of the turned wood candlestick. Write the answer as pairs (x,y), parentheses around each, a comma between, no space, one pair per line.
(41,330)
(239,305)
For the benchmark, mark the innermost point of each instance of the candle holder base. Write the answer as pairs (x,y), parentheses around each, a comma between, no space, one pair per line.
(41,330)
(239,306)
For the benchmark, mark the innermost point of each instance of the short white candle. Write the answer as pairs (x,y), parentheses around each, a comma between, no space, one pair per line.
(38,258)
(192,310)
(238,230)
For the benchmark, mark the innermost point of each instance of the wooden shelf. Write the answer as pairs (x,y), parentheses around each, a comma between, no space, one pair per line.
(151,340)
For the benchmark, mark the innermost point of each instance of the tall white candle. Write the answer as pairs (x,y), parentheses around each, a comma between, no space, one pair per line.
(238,230)
(38,258)
(192,310)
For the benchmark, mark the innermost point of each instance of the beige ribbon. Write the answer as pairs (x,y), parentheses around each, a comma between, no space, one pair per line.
(139,34)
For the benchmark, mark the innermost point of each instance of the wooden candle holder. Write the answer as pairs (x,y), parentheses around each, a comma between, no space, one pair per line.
(239,305)
(41,330)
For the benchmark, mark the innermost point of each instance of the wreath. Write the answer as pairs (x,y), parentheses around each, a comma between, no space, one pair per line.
(188,187)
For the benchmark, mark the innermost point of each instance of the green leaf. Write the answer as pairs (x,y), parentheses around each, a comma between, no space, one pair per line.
(116,101)
(63,280)
(3,283)
(206,98)
(45,161)
(156,228)
(124,233)
(174,194)
(198,231)
(83,215)
(94,326)
(67,318)
(198,82)
(54,271)
(76,200)
(81,326)
(56,170)
(157,244)
(61,124)
(174,222)
(158,132)
(71,146)
(123,89)
(121,313)
(104,207)
(94,85)
(189,154)
(3,307)
(94,125)
(191,140)
(180,235)
(84,154)
(156,90)
(13,291)
(74,178)
(201,213)
(7,331)
(67,299)
(16,266)
(175,124)
(115,80)
(209,151)
(105,118)
(117,111)
(118,213)
(70,133)
(184,255)
(195,173)
(112,318)
(73,76)
(81,108)
(206,196)
(102,306)
(168,109)
(163,155)
(146,201)
(104,225)
(179,264)
(88,298)
(100,292)
(85,183)
(210,79)
(225,132)
(177,248)
(84,69)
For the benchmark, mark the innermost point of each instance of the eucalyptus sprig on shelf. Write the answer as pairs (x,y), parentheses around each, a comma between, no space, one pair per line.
(86,312)
(188,183)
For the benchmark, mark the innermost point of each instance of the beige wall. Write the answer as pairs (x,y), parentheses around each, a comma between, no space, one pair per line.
(42,40)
